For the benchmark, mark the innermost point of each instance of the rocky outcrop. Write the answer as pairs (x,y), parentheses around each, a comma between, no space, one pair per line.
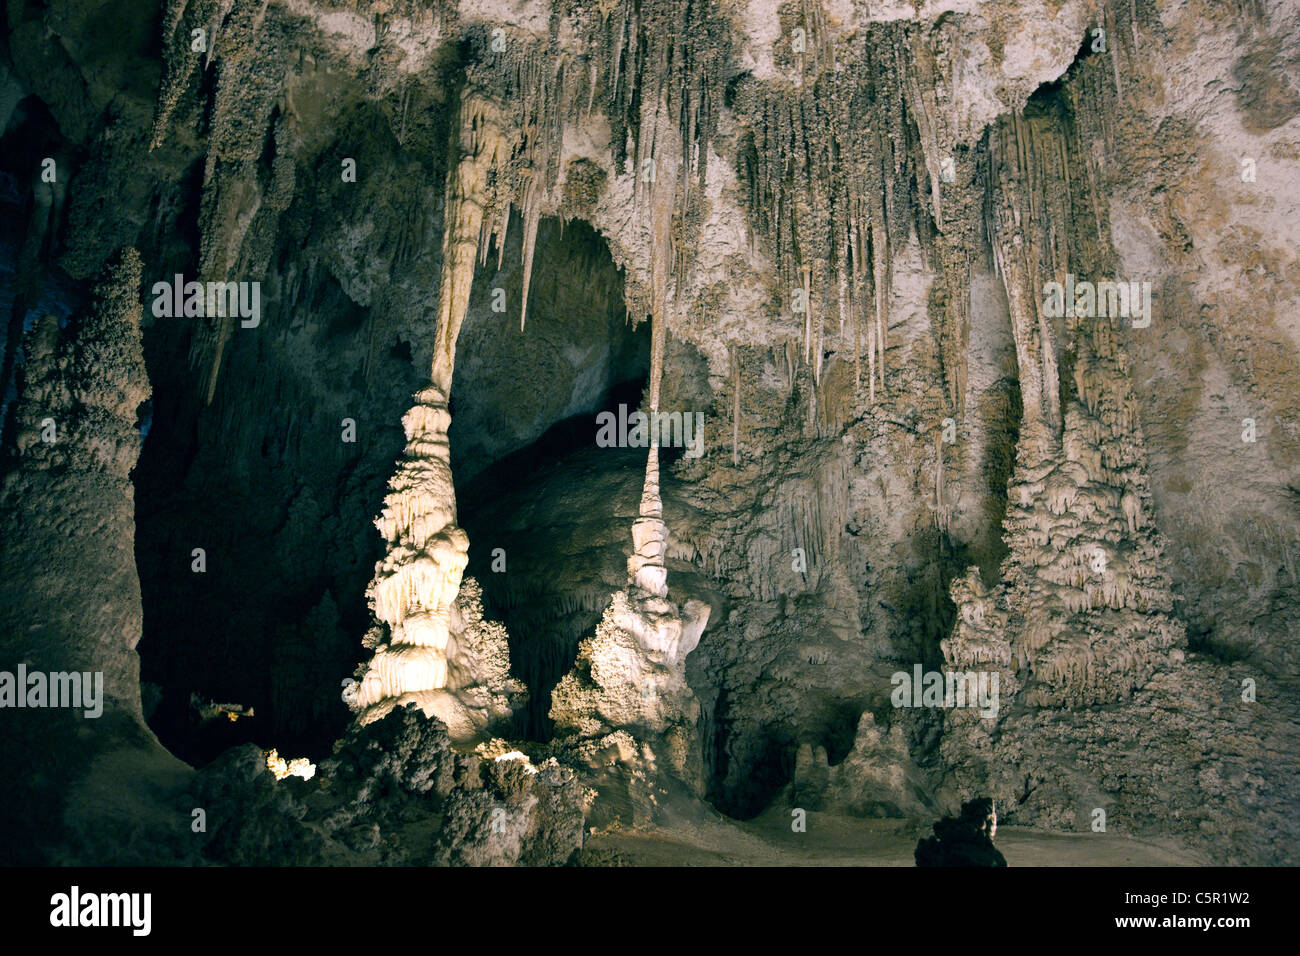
(394,792)
(78,439)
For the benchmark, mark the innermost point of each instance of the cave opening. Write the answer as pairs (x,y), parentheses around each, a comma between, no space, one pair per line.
(254,534)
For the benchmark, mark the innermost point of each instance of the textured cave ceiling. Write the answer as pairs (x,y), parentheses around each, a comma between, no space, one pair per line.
(382,510)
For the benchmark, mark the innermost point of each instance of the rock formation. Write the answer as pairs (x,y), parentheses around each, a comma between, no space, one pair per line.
(877,778)
(627,701)
(830,230)
(394,792)
(416,586)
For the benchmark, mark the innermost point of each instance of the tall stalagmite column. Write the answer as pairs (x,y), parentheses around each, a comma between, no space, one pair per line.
(1082,616)
(625,708)
(416,584)
(649,533)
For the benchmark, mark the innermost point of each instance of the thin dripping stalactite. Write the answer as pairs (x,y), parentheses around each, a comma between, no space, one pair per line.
(837,192)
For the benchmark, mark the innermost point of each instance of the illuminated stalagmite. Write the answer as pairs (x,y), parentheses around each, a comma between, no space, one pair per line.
(627,700)
(416,585)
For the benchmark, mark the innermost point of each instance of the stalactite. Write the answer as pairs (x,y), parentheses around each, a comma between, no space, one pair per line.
(482,149)
(818,350)
(879,245)
(941,506)
(857,355)
(532,216)
(871,361)
(735,406)
(811,424)
(835,172)
(807,314)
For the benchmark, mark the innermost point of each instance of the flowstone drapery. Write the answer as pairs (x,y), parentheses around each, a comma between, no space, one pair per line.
(1084,611)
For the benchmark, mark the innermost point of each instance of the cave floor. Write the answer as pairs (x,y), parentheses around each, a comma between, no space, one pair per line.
(835,840)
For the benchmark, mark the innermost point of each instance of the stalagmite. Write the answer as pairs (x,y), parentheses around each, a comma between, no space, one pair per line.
(416,585)
(649,535)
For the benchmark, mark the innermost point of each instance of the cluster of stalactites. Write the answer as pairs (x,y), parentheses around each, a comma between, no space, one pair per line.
(180,56)
(241,201)
(655,68)
(1024,252)
(533,90)
(841,171)
(662,60)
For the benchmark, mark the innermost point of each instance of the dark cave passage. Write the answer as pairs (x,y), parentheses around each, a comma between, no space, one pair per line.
(277,480)
(268,483)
